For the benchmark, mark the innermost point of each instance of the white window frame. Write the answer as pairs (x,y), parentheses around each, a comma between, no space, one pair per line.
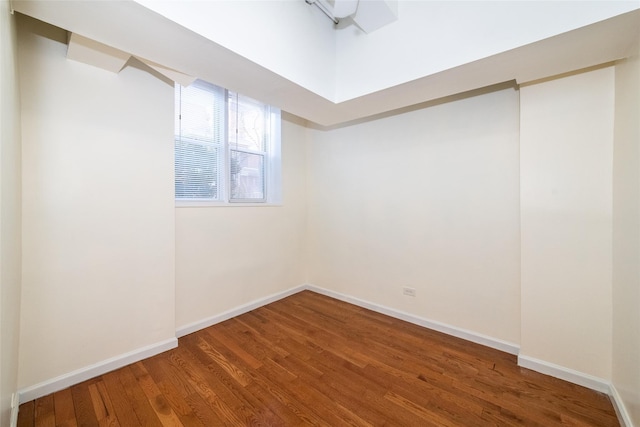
(272,165)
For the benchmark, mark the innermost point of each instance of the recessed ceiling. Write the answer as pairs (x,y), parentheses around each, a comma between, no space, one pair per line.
(288,54)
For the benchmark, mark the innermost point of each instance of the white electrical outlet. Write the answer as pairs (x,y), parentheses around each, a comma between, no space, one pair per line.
(409,291)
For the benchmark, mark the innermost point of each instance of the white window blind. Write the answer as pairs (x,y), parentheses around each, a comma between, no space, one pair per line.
(199,143)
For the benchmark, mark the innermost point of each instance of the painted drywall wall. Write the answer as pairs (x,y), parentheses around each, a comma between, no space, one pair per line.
(626,235)
(427,199)
(566,148)
(229,256)
(10,207)
(98,209)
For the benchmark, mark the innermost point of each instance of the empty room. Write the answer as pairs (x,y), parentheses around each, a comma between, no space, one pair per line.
(319,212)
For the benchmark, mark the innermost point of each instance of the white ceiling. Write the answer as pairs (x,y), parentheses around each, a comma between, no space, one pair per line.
(287,53)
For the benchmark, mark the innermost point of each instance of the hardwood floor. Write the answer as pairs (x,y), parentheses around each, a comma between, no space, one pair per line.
(312,360)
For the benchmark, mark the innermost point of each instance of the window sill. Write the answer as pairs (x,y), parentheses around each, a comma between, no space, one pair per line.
(203,204)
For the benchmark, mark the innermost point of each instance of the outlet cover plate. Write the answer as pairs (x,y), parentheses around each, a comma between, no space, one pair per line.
(409,291)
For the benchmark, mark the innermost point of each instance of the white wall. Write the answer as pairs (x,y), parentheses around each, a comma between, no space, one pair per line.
(566,148)
(98,209)
(229,256)
(10,220)
(626,236)
(426,199)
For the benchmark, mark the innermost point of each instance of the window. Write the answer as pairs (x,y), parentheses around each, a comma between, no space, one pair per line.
(227,147)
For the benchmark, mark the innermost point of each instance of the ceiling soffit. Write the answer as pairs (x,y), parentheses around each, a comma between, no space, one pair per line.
(162,44)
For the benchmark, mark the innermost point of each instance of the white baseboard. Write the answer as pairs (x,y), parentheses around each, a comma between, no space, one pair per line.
(210,321)
(621,410)
(100,368)
(475,337)
(580,378)
(430,324)
(14,417)
(567,374)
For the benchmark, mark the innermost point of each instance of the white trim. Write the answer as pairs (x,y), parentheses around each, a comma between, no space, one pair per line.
(567,374)
(222,204)
(465,334)
(15,407)
(14,417)
(582,379)
(91,371)
(210,321)
(621,410)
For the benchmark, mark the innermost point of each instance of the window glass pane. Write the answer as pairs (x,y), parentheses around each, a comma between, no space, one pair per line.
(197,172)
(247,175)
(248,124)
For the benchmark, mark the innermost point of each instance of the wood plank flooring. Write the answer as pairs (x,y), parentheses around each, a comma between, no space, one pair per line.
(312,360)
